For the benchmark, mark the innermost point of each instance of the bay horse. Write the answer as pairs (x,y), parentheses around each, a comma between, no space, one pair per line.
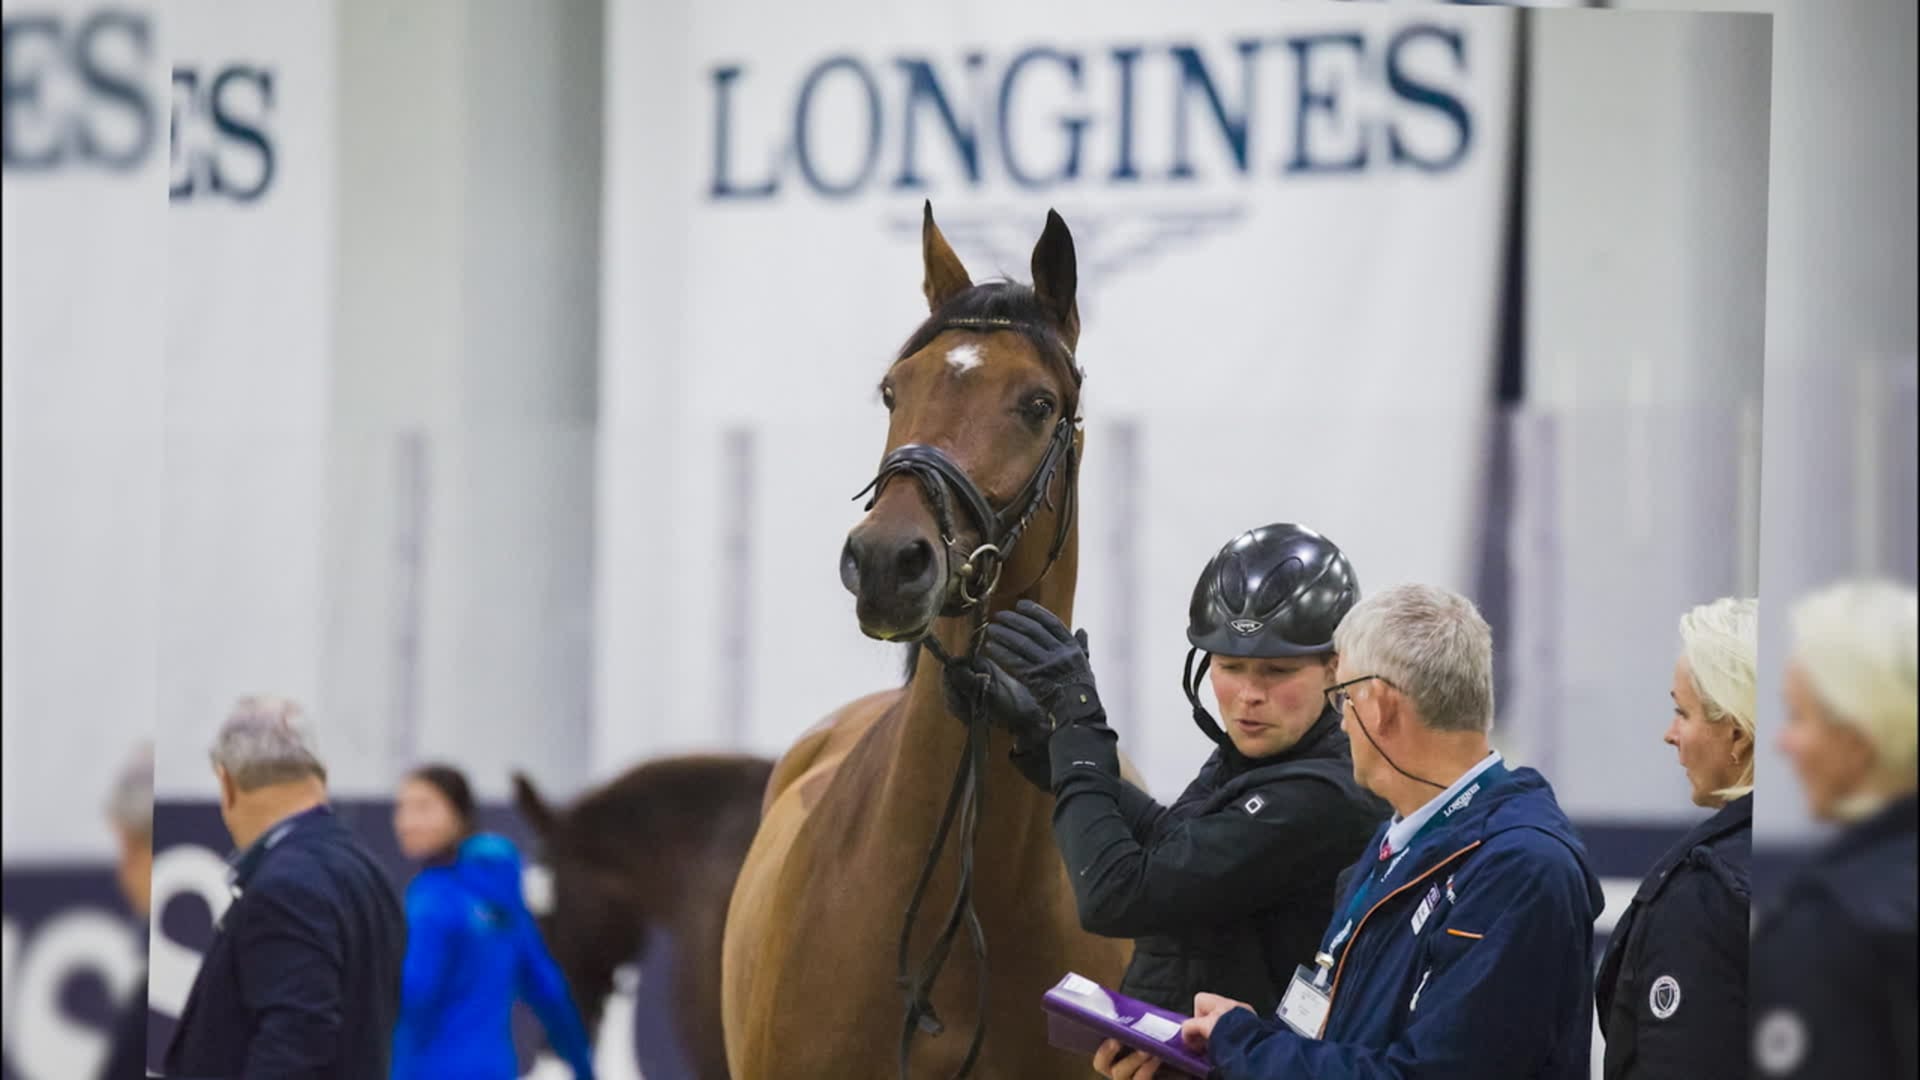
(982,443)
(653,850)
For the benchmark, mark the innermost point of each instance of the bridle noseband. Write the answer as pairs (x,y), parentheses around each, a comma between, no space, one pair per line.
(945,482)
(973,581)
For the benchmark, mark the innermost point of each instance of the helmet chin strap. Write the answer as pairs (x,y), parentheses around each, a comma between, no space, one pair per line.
(1190,682)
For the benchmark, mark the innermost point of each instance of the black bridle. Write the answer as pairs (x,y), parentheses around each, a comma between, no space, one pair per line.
(973,580)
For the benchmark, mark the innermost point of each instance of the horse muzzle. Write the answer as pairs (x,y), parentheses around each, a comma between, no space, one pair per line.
(898,579)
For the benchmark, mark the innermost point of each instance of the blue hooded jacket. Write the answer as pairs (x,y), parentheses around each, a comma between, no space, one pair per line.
(472,950)
(1470,957)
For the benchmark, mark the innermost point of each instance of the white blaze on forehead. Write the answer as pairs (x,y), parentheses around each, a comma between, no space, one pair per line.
(964,358)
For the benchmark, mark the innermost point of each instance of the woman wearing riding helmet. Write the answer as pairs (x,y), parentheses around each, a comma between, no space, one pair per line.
(1228,889)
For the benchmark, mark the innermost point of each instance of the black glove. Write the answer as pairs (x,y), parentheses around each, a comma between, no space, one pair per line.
(1010,708)
(1047,660)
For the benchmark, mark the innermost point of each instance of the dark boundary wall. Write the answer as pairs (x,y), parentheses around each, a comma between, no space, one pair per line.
(186,920)
(35,894)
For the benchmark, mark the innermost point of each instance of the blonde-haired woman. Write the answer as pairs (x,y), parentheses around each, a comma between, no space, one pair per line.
(1672,989)
(1834,969)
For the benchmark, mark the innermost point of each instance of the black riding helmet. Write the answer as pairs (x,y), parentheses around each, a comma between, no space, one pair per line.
(1275,591)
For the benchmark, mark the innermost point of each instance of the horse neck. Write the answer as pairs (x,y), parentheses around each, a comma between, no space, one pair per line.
(1017,818)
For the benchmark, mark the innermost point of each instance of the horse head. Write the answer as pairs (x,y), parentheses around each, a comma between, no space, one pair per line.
(983,409)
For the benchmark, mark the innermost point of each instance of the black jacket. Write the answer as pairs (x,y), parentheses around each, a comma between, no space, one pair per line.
(1230,887)
(127,1054)
(1672,990)
(1833,961)
(303,976)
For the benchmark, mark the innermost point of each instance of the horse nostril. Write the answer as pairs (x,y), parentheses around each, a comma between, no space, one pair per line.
(913,561)
(850,568)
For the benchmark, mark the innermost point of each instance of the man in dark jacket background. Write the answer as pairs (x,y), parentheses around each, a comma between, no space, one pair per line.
(1462,941)
(1232,884)
(303,976)
(130,812)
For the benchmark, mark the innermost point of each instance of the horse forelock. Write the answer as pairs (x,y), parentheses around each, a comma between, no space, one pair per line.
(1007,300)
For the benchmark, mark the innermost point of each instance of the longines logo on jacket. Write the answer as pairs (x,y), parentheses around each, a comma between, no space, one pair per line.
(1461,803)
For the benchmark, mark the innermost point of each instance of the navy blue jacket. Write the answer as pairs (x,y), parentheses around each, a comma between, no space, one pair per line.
(1468,958)
(303,976)
(472,950)
(1833,985)
(1672,992)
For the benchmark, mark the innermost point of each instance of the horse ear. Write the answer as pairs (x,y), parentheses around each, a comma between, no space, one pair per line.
(531,806)
(1056,276)
(946,278)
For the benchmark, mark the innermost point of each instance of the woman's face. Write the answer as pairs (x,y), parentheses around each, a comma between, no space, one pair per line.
(1266,705)
(423,820)
(1831,759)
(1711,751)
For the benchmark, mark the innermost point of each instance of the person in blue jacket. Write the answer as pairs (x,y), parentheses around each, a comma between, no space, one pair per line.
(472,946)
(1462,941)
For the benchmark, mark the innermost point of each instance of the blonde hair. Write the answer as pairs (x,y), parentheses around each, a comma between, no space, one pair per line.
(1855,642)
(1719,642)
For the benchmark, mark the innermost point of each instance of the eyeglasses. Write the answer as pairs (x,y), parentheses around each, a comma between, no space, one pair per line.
(1337,696)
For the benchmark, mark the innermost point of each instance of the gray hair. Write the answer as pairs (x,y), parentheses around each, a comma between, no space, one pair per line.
(1429,643)
(130,804)
(266,740)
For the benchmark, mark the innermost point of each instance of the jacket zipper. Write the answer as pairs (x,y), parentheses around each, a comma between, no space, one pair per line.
(1354,938)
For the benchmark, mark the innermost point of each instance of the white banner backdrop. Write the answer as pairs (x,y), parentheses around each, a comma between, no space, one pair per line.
(85,295)
(167,269)
(250,262)
(81,385)
(1289,228)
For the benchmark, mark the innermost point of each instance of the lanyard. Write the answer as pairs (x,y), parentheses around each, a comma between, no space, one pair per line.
(1356,905)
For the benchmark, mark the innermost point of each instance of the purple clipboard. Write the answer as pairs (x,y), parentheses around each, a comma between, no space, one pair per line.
(1081,1014)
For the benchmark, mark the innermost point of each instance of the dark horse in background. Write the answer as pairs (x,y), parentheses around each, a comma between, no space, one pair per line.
(655,850)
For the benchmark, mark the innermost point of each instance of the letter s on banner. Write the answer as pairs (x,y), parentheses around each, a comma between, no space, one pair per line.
(183,868)
(43,1042)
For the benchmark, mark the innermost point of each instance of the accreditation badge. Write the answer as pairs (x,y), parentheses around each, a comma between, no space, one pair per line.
(1304,1008)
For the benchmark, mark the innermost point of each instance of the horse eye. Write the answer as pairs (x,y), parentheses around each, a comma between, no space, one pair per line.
(886,397)
(1041,406)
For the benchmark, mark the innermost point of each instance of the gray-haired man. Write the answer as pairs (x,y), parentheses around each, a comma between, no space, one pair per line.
(303,976)
(1461,943)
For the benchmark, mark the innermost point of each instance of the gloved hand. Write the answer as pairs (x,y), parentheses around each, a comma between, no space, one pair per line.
(1049,662)
(1010,708)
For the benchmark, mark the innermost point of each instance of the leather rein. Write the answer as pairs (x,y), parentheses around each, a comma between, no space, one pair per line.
(972,583)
